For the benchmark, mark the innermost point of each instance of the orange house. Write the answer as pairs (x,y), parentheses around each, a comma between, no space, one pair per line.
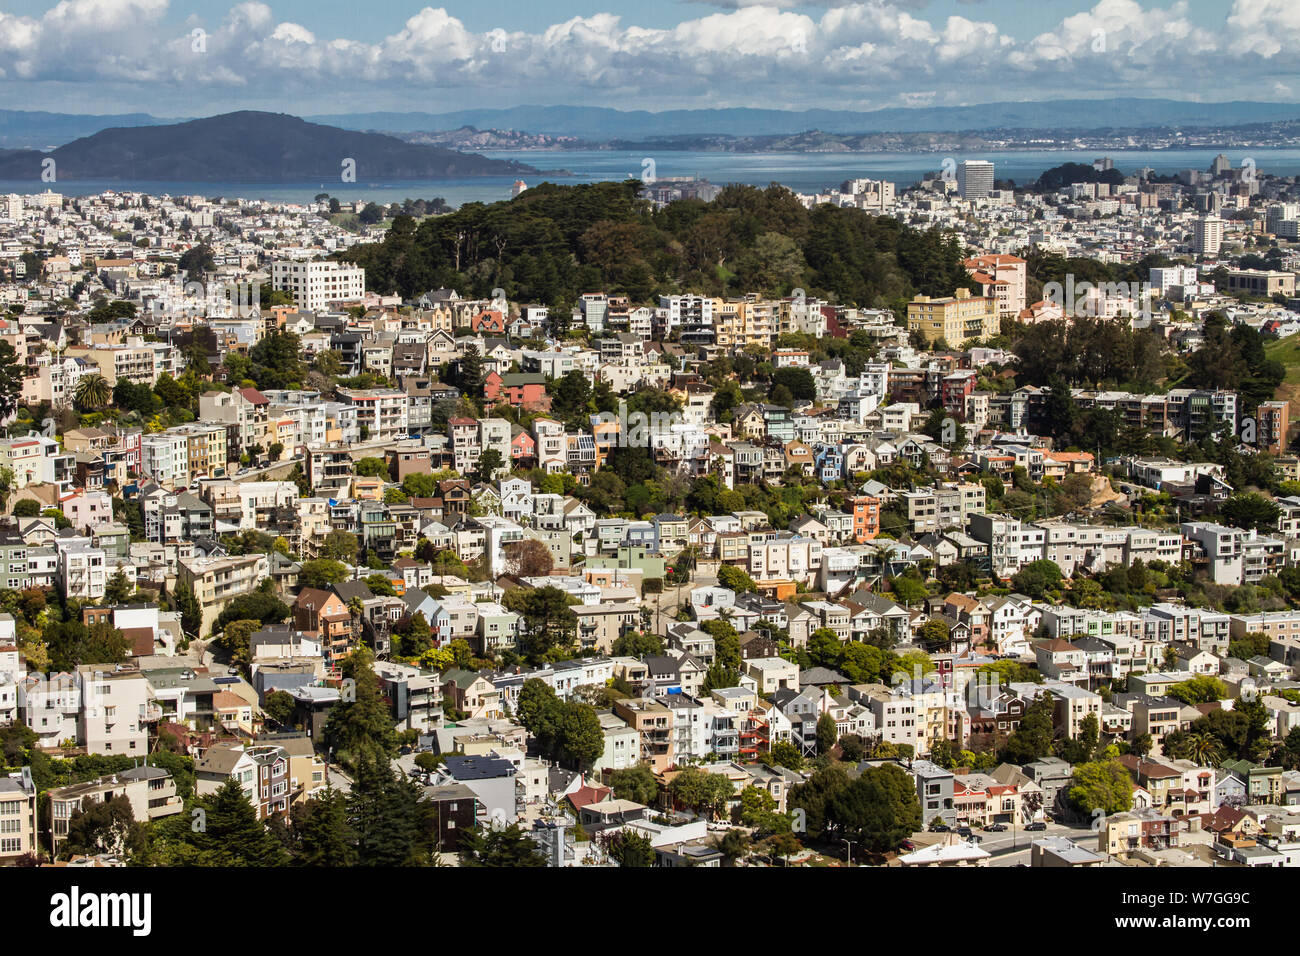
(866,517)
(489,320)
(326,613)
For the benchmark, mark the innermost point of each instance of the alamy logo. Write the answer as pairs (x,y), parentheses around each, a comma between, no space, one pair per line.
(637,429)
(78,910)
(1099,300)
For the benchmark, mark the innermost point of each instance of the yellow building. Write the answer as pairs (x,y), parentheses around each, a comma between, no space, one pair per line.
(956,320)
(207,448)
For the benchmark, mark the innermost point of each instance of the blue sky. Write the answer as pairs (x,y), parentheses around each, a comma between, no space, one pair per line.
(185,57)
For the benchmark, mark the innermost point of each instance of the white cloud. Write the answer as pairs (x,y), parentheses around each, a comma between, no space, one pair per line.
(746,52)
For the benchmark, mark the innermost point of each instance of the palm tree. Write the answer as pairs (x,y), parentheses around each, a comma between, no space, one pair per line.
(1204,749)
(356,608)
(93,391)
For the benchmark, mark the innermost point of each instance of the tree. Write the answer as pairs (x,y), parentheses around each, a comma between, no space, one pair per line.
(15,739)
(798,381)
(535,696)
(118,589)
(1037,578)
(277,359)
(637,784)
(230,834)
(1032,738)
(323,835)
(196,261)
(786,754)
(549,621)
(279,707)
(92,392)
(566,731)
(1101,784)
(569,397)
(629,848)
(1206,751)
(341,546)
(1251,511)
(734,579)
(322,573)
(701,791)
(371,468)
(909,588)
(879,809)
(260,605)
(733,845)
(235,640)
(384,811)
(826,734)
(934,634)
(361,727)
(814,797)
(528,558)
(1201,689)
(380,585)
(757,809)
(637,644)
(11,379)
(187,605)
(853,748)
(103,826)
(573,735)
(505,847)
(490,463)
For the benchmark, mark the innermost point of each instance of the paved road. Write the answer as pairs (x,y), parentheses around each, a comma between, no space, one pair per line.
(1014,843)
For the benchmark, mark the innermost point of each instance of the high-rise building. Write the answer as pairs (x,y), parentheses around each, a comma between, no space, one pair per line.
(974,178)
(1280,219)
(1207,236)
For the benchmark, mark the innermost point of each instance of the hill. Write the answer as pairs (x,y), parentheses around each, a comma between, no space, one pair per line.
(553,243)
(249,147)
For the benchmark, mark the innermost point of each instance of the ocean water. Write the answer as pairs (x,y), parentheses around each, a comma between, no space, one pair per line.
(803,172)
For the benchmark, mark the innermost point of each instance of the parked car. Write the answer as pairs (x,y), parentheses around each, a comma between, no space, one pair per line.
(995,828)
(907,845)
(964,831)
(1036,826)
(939,828)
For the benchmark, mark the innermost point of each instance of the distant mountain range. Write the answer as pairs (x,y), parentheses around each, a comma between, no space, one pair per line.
(26,129)
(550,127)
(599,123)
(249,147)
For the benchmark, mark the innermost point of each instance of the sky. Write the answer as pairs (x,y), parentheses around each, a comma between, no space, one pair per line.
(191,58)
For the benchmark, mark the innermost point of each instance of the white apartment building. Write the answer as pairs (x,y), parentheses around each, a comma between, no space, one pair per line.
(82,572)
(784,556)
(382,412)
(166,458)
(1207,236)
(1223,548)
(114,711)
(316,284)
